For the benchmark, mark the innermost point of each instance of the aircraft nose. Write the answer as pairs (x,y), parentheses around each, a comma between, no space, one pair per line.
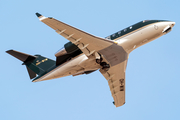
(172,24)
(168,27)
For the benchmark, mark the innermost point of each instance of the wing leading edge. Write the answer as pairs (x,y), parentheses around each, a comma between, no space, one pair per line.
(89,45)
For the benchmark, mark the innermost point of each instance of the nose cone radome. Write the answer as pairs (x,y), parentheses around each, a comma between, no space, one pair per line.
(172,24)
(169,23)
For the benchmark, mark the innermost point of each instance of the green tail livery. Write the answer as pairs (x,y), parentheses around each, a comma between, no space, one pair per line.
(36,65)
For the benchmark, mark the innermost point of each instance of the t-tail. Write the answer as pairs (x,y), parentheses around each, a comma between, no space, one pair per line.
(36,65)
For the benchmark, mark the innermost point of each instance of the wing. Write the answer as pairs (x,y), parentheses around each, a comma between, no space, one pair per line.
(88,43)
(116,80)
(117,58)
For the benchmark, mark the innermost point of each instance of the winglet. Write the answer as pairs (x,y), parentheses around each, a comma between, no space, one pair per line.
(38,15)
(41,17)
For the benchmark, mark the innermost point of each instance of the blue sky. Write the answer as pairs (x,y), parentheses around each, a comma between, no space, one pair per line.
(152,75)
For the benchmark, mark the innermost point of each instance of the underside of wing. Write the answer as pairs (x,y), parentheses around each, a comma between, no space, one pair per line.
(116,80)
(86,42)
(117,58)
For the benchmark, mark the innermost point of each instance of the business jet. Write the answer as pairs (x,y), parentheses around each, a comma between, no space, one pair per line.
(86,53)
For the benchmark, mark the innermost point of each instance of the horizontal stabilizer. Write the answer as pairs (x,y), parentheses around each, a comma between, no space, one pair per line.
(21,56)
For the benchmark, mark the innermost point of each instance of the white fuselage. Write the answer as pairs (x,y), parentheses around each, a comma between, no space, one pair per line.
(143,35)
(129,42)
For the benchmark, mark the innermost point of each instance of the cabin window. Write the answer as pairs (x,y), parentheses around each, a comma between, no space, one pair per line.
(130,27)
(119,32)
(113,35)
(125,30)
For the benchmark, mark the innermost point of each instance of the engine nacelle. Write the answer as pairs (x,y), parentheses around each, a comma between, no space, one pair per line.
(66,53)
(68,48)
